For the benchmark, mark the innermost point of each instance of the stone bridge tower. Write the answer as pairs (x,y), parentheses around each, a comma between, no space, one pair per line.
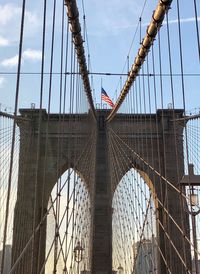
(33,182)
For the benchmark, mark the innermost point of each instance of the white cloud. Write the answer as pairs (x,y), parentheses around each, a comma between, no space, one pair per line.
(7,12)
(10,11)
(108,18)
(4,42)
(183,20)
(10,62)
(175,21)
(10,21)
(32,18)
(33,55)
(2,81)
(29,54)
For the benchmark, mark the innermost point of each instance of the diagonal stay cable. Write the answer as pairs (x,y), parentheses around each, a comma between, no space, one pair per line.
(150,167)
(152,30)
(159,201)
(47,212)
(179,228)
(2,262)
(140,227)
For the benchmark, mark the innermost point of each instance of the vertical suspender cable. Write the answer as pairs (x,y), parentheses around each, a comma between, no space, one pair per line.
(155,24)
(73,15)
(197,27)
(34,252)
(47,125)
(14,131)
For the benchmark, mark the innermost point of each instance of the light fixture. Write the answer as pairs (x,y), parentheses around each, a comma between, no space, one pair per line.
(78,252)
(78,255)
(194,199)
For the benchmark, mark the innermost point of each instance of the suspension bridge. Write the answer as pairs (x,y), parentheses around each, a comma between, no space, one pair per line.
(86,188)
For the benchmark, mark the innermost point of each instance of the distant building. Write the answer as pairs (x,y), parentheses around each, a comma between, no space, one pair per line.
(146,257)
(193,266)
(7,260)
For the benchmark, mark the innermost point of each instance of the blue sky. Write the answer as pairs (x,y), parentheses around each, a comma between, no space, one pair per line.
(110,26)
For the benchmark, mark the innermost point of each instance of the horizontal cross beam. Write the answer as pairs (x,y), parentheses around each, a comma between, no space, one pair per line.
(191,179)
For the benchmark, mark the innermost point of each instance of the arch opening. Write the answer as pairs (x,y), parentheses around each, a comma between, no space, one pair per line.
(134,240)
(68,225)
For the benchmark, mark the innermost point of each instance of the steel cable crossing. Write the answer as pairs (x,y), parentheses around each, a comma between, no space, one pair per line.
(69,224)
(128,160)
(152,30)
(150,94)
(75,220)
(77,198)
(13,133)
(125,198)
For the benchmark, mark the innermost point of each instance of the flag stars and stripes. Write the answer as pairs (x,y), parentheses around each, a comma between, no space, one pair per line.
(106,98)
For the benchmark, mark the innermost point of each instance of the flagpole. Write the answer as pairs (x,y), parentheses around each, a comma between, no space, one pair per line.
(101,91)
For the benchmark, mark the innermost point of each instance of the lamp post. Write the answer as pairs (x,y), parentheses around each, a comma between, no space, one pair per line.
(193,197)
(78,254)
(192,180)
(120,269)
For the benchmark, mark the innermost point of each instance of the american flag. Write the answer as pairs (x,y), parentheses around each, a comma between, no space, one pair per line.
(106,98)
